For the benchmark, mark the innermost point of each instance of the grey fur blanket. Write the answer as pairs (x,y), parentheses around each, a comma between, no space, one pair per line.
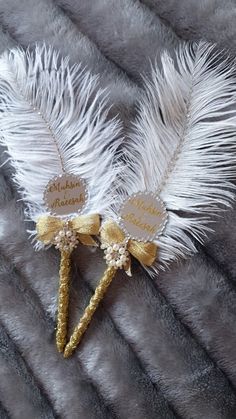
(159,348)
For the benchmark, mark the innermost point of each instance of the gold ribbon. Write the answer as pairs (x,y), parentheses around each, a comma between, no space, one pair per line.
(145,253)
(83,225)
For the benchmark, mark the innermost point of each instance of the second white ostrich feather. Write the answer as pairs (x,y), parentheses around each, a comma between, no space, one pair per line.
(183,145)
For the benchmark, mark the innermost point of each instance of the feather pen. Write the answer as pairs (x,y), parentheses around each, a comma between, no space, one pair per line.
(180,163)
(53,122)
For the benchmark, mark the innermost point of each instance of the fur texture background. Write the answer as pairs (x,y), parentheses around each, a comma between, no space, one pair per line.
(159,348)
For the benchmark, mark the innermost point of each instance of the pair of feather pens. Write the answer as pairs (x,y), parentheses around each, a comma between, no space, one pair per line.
(149,196)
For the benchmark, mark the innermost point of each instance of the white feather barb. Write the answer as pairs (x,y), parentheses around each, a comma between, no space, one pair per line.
(53,119)
(183,145)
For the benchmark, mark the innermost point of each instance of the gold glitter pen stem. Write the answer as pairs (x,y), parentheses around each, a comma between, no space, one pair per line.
(63,300)
(89,311)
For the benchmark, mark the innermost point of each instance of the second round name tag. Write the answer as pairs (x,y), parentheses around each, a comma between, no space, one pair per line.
(143,216)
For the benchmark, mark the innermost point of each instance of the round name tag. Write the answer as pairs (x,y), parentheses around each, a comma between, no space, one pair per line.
(143,216)
(65,194)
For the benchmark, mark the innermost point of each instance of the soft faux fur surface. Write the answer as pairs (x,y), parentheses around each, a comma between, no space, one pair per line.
(159,348)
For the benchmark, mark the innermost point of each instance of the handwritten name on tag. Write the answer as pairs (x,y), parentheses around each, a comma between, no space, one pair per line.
(143,216)
(65,195)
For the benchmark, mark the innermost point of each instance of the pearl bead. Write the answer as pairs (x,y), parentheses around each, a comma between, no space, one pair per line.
(109,249)
(122,251)
(69,234)
(116,247)
(108,257)
(112,262)
(61,233)
(119,263)
(123,258)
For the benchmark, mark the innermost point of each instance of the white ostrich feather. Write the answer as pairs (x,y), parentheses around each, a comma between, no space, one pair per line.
(183,145)
(53,119)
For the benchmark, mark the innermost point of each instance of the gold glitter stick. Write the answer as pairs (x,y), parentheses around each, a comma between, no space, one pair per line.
(65,236)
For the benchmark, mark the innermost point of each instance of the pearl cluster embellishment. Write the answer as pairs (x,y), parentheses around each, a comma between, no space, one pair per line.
(66,240)
(116,254)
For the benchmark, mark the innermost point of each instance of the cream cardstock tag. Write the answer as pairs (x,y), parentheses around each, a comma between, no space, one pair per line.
(65,194)
(143,216)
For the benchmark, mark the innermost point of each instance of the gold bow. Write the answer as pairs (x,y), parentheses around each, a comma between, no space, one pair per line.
(145,253)
(83,225)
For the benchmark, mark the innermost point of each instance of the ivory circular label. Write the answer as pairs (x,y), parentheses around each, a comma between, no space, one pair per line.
(143,216)
(65,194)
